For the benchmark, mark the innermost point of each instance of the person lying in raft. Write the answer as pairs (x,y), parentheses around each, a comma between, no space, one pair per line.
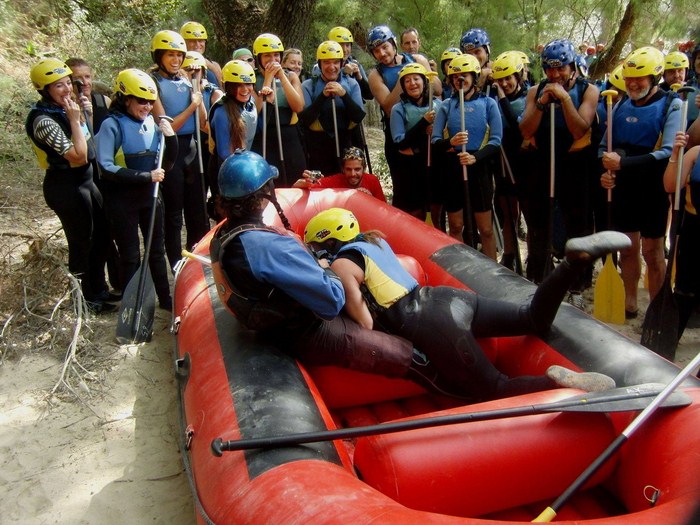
(444,322)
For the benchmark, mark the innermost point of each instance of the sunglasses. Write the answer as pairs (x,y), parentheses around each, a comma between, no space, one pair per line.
(143,101)
(251,59)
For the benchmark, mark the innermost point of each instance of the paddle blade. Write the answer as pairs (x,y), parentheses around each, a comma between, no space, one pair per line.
(660,328)
(609,295)
(135,321)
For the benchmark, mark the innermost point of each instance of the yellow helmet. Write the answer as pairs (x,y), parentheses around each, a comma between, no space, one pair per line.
(47,71)
(449,54)
(194,60)
(136,83)
(507,64)
(464,64)
(412,69)
(643,62)
(193,31)
(616,79)
(238,72)
(333,223)
(341,35)
(522,56)
(267,43)
(676,60)
(329,50)
(168,41)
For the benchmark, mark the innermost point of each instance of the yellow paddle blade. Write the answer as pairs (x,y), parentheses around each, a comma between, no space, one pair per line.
(429,219)
(609,295)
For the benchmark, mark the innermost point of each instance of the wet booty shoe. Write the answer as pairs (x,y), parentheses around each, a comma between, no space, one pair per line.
(588,249)
(588,381)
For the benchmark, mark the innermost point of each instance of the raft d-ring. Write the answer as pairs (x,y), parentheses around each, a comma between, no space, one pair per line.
(189,434)
(651,494)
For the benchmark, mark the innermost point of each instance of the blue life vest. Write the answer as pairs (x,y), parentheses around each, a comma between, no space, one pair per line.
(637,126)
(176,96)
(139,142)
(476,120)
(564,139)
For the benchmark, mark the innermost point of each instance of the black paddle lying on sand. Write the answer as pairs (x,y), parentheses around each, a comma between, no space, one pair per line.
(138,306)
(617,400)
(667,393)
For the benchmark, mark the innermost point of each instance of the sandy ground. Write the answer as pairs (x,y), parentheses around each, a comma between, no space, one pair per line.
(111,456)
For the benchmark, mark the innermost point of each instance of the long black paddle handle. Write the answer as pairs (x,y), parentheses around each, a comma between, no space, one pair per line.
(622,399)
(550,512)
(149,238)
(365,147)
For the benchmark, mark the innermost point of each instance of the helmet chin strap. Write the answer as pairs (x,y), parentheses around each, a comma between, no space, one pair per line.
(270,196)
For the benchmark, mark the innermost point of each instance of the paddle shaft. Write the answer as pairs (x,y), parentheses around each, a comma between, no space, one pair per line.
(283,169)
(264,128)
(623,399)
(365,147)
(198,142)
(548,514)
(138,307)
(468,227)
(335,128)
(549,263)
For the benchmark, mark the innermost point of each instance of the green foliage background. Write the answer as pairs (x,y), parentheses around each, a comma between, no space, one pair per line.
(113,35)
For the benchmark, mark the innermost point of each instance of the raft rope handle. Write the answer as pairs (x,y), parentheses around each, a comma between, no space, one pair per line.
(654,494)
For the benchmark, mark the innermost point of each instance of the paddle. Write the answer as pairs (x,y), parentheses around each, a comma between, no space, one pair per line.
(282,168)
(549,262)
(197,257)
(335,130)
(617,400)
(135,321)
(468,226)
(660,327)
(198,142)
(609,290)
(508,211)
(550,512)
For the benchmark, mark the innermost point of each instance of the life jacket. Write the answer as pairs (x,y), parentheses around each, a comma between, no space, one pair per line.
(564,139)
(386,280)
(176,95)
(476,120)
(47,157)
(390,74)
(640,129)
(324,122)
(138,143)
(287,116)
(263,307)
(220,131)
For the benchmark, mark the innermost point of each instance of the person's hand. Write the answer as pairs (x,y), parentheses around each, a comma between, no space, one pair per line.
(466,159)
(157,175)
(71,108)
(611,161)
(430,116)
(553,92)
(85,103)
(166,128)
(196,98)
(351,69)
(459,138)
(334,89)
(265,92)
(323,263)
(607,180)
(680,141)
(273,70)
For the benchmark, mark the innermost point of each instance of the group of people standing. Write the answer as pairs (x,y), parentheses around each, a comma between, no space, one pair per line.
(479,146)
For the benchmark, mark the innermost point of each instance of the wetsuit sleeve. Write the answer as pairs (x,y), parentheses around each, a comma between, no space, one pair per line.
(396,123)
(312,108)
(171,150)
(353,101)
(48,131)
(440,143)
(508,114)
(365,90)
(285,263)
(108,143)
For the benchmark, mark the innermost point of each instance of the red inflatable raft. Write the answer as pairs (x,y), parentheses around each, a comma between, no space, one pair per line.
(236,386)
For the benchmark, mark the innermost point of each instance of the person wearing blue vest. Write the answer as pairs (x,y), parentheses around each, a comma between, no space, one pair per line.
(183,192)
(445,322)
(273,81)
(644,127)
(195,35)
(411,121)
(128,146)
(476,42)
(574,101)
(320,118)
(232,121)
(383,81)
(687,289)
(482,139)
(509,84)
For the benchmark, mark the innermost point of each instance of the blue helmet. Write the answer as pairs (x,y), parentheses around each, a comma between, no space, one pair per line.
(473,39)
(558,53)
(378,35)
(244,173)
(581,65)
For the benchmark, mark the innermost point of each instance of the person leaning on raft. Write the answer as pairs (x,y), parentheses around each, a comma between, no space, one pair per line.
(353,176)
(445,322)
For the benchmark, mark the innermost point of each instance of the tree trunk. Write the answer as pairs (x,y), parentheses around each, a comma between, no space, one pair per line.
(238,22)
(607,61)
